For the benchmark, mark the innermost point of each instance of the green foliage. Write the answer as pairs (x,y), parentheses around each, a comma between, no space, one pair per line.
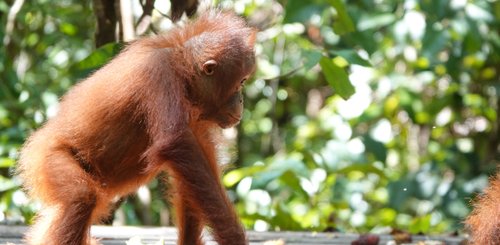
(411,137)
(362,115)
(336,77)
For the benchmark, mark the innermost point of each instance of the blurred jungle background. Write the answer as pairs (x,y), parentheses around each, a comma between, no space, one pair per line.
(363,115)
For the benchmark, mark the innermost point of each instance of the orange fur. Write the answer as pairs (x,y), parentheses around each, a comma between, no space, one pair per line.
(484,221)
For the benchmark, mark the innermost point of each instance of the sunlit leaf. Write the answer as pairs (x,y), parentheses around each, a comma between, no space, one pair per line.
(337,77)
(283,219)
(68,28)
(6,162)
(387,215)
(343,23)
(364,168)
(477,13)
(421,224)
(376,21)
(292,181)
(233,177)
(352,57)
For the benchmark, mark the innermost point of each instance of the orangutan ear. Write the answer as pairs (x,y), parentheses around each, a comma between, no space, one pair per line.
(209,67)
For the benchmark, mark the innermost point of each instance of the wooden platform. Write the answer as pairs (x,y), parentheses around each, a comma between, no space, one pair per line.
(119,235)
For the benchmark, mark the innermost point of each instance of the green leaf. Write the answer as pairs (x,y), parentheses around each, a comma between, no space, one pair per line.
(343,23)
(97,59)
(336,77)
(233,177)
(311,58)
(301,11)
(401,191)
(376,21)
(433,42)
(421,224)
(352,57)
(6,162)
(387,215)
(284,220)
(376,148)
(292,181)
(68,28)
(364,168)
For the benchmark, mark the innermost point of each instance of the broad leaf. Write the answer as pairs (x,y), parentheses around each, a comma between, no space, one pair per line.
(343,23)
(311,58)
(336,77)
(352,57)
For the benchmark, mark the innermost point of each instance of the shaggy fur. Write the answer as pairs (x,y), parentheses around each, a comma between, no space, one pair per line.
(159,105)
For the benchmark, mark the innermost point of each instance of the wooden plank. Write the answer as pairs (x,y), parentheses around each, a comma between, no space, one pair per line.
(149,235)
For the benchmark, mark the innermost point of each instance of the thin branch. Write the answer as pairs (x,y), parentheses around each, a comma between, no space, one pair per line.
(11,18)
(285,75)
(144,22)
(164,15)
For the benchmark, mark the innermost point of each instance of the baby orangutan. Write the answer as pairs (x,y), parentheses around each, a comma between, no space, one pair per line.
(158,106)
